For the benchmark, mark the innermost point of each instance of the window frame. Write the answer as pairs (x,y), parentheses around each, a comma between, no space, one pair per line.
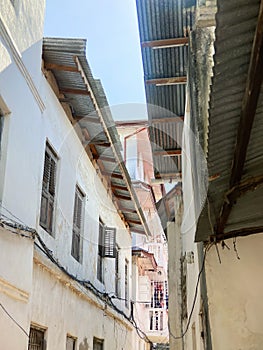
(98,342)
(38,330)
(49,189)
(100,257)
(77,224)
(74,342)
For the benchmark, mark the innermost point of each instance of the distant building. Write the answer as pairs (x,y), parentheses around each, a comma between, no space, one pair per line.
(150,285)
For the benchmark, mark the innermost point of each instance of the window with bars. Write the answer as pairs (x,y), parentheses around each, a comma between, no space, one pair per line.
(156,320)
(48,190)
(126,283)
(98,344)
(36,339)
(158,294)
(70,343)
(76,246)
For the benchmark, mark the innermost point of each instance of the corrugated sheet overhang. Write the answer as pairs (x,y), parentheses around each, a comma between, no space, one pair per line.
(235,30)
(160,21)
(66,58)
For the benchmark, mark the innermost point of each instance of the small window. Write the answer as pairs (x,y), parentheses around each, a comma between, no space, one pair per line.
(71,343)
(36,339)
(158,294)
(106,247)
(76,247)
(48,190)
(156,320)
(98,344)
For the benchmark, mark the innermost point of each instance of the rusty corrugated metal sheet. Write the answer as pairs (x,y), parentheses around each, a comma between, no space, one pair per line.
(63,53)
(164,19)
(235,28)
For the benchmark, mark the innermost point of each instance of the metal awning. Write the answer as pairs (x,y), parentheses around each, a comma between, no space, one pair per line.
(66,58)
(163,27)
(235,136)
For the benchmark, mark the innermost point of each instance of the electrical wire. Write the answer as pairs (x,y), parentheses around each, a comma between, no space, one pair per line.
(12,318)
(105,297)
(195,296)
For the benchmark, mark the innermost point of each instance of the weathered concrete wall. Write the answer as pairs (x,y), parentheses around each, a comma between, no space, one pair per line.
(67,309)
(16,261)
(235,290)
(35,117)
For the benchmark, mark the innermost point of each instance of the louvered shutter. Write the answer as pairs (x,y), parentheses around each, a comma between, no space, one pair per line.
(77,223)
(101,240)
(48,190)
(109,242)
(52,177)
(46,170)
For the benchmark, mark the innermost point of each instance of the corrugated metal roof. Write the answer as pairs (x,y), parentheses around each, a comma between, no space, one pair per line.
(164,19)
(66,58)
(235,28)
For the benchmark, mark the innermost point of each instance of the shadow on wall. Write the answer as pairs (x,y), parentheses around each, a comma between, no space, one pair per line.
(84,345)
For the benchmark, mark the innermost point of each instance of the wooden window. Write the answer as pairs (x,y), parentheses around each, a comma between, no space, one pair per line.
(98,344)
(36,339)
(106,247)
(71,343)
(76,247)
(126,283)
(48,190)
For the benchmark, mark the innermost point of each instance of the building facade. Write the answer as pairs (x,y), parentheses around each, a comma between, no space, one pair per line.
(150,255)
(66,261)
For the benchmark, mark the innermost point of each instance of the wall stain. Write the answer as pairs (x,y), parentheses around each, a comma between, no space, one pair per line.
(84,345)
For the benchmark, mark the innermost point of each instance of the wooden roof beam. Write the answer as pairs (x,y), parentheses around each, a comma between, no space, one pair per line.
(248,111)
(88,119)
(119,187)
(54,66)
(165,43)
(120,196)
(167,81)
(168,152)
(74,91)
(113,175)
(174,119)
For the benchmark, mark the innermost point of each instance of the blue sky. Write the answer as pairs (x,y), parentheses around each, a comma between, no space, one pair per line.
(113,50)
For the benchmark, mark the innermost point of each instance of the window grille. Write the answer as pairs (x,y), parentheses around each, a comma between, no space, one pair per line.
(77,225)
(36,339)
(156,320)
(48,190)
(157,292)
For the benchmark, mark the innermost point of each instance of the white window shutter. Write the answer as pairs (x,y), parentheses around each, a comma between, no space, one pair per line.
(109,242)
(144,289)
